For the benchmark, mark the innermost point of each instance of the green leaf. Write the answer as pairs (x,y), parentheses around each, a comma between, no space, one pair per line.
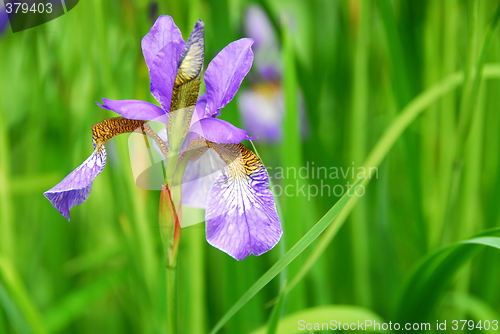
(292,323)
(282,263)
(426,285)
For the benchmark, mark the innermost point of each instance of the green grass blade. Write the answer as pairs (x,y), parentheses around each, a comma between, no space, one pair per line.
(399,61)
(325,314)
(75,304)
(282,243)
(471,305)
(474,79)
(281,264)
(382,148)
(275,316)
(360,241)
(295,208)
(426,285)
(10,279)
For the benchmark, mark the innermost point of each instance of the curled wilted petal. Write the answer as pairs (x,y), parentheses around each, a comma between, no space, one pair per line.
(76,187)
(241,217)
(226,72)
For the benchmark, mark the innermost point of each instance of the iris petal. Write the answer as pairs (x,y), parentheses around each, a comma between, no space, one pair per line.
(219,131)
(133,109)
(163,32)
(226,72)
(162,73)
(75,188)
(262,114)
(199,177)
(199,110)
(241,217)
(4,19)
(191,59)
(266,48)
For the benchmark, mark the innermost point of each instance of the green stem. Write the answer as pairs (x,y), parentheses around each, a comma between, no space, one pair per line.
(171,301)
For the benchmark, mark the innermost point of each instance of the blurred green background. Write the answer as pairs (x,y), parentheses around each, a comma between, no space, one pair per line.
(362,66)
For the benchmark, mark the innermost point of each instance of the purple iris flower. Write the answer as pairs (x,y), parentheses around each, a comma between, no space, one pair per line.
(261,107)
(4,19)
(224,177)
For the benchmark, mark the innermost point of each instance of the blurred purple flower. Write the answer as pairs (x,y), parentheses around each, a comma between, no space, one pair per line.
(261,106)
(241,217)
(4,19)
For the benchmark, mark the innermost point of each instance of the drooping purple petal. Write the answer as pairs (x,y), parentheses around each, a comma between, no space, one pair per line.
(241,217)
(133,109)
(262,113)
(219,131)
(163,32)
(199,177)
(75,188)
(162,73)
(226,72)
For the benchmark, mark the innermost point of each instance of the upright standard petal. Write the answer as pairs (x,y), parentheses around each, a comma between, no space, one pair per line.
(163,32)
(226,72)
(75,188)
(241,217)
(133,109)
(219,131)
(162,74)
